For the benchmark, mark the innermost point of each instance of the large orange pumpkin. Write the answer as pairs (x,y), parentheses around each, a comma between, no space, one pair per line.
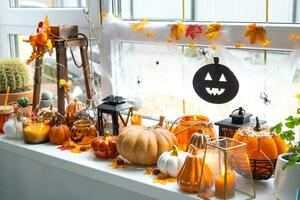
(142,145)
(190,124)
(58,134)
(188,178)
(262,144)
(72,108)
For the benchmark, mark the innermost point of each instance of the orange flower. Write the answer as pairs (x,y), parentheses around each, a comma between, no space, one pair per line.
(150,34)
(256,34)
(177,31)
(213,31)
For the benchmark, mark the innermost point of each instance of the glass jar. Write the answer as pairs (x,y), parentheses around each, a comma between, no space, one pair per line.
(83,132)
(5,111)
(190,124)
(36,131)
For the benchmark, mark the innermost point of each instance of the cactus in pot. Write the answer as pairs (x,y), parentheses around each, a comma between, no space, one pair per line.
(24,106)
(16,75)
(47,99)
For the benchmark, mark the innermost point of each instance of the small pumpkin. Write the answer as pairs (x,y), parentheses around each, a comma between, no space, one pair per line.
(199,139)
(105,146)
(47,113)
(13,128)
(188,177)
(170,162)
(58,134)
(142,145)
(73,108)
(261,143)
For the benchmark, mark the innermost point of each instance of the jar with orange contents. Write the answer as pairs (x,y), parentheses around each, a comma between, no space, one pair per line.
(190,124)
(5,111)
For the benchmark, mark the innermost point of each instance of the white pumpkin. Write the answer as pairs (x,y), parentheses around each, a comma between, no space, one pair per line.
(13,128)
(170,162)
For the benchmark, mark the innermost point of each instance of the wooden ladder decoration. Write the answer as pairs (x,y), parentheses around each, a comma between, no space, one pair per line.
(63,37)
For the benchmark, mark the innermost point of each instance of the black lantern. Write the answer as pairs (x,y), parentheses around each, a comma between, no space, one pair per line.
(237,119)
(113,105)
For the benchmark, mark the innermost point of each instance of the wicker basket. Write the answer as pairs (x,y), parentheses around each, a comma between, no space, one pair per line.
(261,169)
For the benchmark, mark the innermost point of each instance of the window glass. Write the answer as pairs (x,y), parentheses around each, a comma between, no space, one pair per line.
(48,3)
(274,11)
(162,79)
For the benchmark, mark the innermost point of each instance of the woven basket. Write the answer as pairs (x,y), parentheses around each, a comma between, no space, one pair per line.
(260,169)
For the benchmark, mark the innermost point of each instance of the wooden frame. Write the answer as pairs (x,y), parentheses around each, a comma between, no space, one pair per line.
(65,36)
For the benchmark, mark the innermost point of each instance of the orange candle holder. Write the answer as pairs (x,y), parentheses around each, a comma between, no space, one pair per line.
(222,156)
(5,111)
(136,120)
(188,125)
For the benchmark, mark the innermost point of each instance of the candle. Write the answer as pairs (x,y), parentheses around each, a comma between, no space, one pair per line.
(36,133)
(136,120)
(220,184)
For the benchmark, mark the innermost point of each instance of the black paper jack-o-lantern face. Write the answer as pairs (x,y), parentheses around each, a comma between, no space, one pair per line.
(215,83)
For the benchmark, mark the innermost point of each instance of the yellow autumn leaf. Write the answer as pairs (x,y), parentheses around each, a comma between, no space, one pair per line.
(177,31)
(213,31)
(294,36)
(139,26)
(256,34)
(238,45)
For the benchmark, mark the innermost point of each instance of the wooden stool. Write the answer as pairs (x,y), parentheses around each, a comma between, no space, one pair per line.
(63,37)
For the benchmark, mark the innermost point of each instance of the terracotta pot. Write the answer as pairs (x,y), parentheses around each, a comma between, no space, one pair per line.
(286,182)
(27,110)
(14,96)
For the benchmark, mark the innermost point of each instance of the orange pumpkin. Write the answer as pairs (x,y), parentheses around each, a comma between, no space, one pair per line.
(72,108)
(142,145)
(189,176)
(105,146)
(261,145)
(58,134)
(190,124)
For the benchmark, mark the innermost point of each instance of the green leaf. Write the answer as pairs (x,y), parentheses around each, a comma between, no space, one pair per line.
(283,136)
(290,125)
(291,162)
(277,128)
(290,118)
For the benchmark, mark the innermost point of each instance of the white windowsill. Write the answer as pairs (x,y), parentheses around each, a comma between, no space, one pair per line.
(131,179)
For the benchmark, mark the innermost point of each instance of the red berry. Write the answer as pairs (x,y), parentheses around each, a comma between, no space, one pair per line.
(41,24)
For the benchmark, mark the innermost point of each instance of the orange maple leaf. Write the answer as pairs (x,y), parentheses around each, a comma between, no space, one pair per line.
(256,33)
(213,31)
(177,31)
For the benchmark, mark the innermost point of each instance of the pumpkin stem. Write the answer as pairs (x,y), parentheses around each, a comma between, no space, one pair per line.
(106,135)
(175,151)
(257,127)
(161,121)
(192,149)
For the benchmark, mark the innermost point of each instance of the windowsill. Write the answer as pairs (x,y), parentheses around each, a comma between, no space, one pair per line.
(131,179)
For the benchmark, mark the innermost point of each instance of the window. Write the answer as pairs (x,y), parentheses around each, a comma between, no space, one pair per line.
(132,51)
(19,18)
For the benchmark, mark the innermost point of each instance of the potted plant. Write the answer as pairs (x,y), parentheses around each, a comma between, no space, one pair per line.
(287,179)
(15,75)
(23,104)
(47,99)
